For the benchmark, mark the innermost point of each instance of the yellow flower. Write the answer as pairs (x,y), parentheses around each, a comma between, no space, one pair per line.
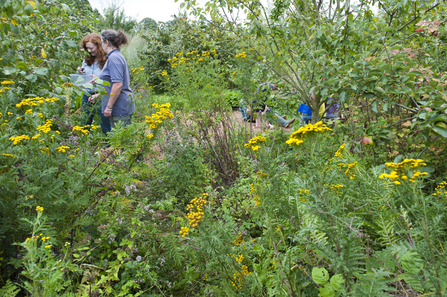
(16,140)
(39,208)
(184,231)
(62,148)
(48,246)
(241,55)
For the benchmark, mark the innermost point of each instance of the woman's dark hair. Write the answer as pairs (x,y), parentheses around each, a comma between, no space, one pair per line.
(94,38)
(115,38)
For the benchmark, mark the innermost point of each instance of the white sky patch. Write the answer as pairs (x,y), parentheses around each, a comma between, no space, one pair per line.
(159,10)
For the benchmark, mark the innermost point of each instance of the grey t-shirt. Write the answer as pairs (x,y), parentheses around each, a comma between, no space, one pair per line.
(116,71)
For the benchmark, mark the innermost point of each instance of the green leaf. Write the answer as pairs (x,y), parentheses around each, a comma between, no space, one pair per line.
(440,131)
(374,106)
(336,281)
(320,275)
(102,82)
(10,70)
(14,29)
(28,9)
(327,291)
(42,71)
(66,7)
(342,96)
(415,73)
(21,64)
(31,78)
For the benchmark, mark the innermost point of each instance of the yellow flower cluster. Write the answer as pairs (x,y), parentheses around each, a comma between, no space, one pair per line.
(35,101)
(339,152)
(39,208)
(261,174)
(238,277)
(45,150)
(137,70)
(335,187)
(7,82)
(252,142)
(440,190)
(348,169)
(45,128)
(17,139)
(44,239)
(297,137)
(9,155)
(195,208)
(184,231)
(404,171)
(241,55)
(84,129)
(175,61)
(157,118)
(62,148)
(239,240)
(239,258)
(256,196)
(302,193)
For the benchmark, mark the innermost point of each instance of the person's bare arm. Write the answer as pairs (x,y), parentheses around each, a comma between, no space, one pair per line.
(114,94)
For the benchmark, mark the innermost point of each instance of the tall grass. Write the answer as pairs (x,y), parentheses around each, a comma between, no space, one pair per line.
(130,52)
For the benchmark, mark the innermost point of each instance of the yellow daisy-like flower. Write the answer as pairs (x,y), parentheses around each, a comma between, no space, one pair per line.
(62,148)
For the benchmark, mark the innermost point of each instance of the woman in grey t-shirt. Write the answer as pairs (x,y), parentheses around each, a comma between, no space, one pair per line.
(117,105)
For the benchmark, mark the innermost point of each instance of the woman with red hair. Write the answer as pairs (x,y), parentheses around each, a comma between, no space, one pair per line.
(93,64)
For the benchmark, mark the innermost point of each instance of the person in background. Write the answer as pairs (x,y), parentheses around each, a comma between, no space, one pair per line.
(307,113)
(263,109)
(93,64)
(117,105)
(332,111)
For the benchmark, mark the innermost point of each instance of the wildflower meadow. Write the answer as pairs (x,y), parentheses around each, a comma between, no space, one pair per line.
(190,200)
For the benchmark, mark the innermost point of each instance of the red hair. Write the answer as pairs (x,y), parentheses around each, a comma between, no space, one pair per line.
(94,38)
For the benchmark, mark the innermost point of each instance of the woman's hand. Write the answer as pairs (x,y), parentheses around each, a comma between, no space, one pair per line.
(81,70)
(93,81)
(93,98)
(108,112)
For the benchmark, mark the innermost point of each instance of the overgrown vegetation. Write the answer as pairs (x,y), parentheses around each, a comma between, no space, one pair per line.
(188,202)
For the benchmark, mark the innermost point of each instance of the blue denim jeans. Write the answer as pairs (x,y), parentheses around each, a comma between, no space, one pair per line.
(89,113)
(305,119)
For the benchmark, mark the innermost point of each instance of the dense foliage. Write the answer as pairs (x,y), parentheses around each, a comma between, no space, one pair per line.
(185,201)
